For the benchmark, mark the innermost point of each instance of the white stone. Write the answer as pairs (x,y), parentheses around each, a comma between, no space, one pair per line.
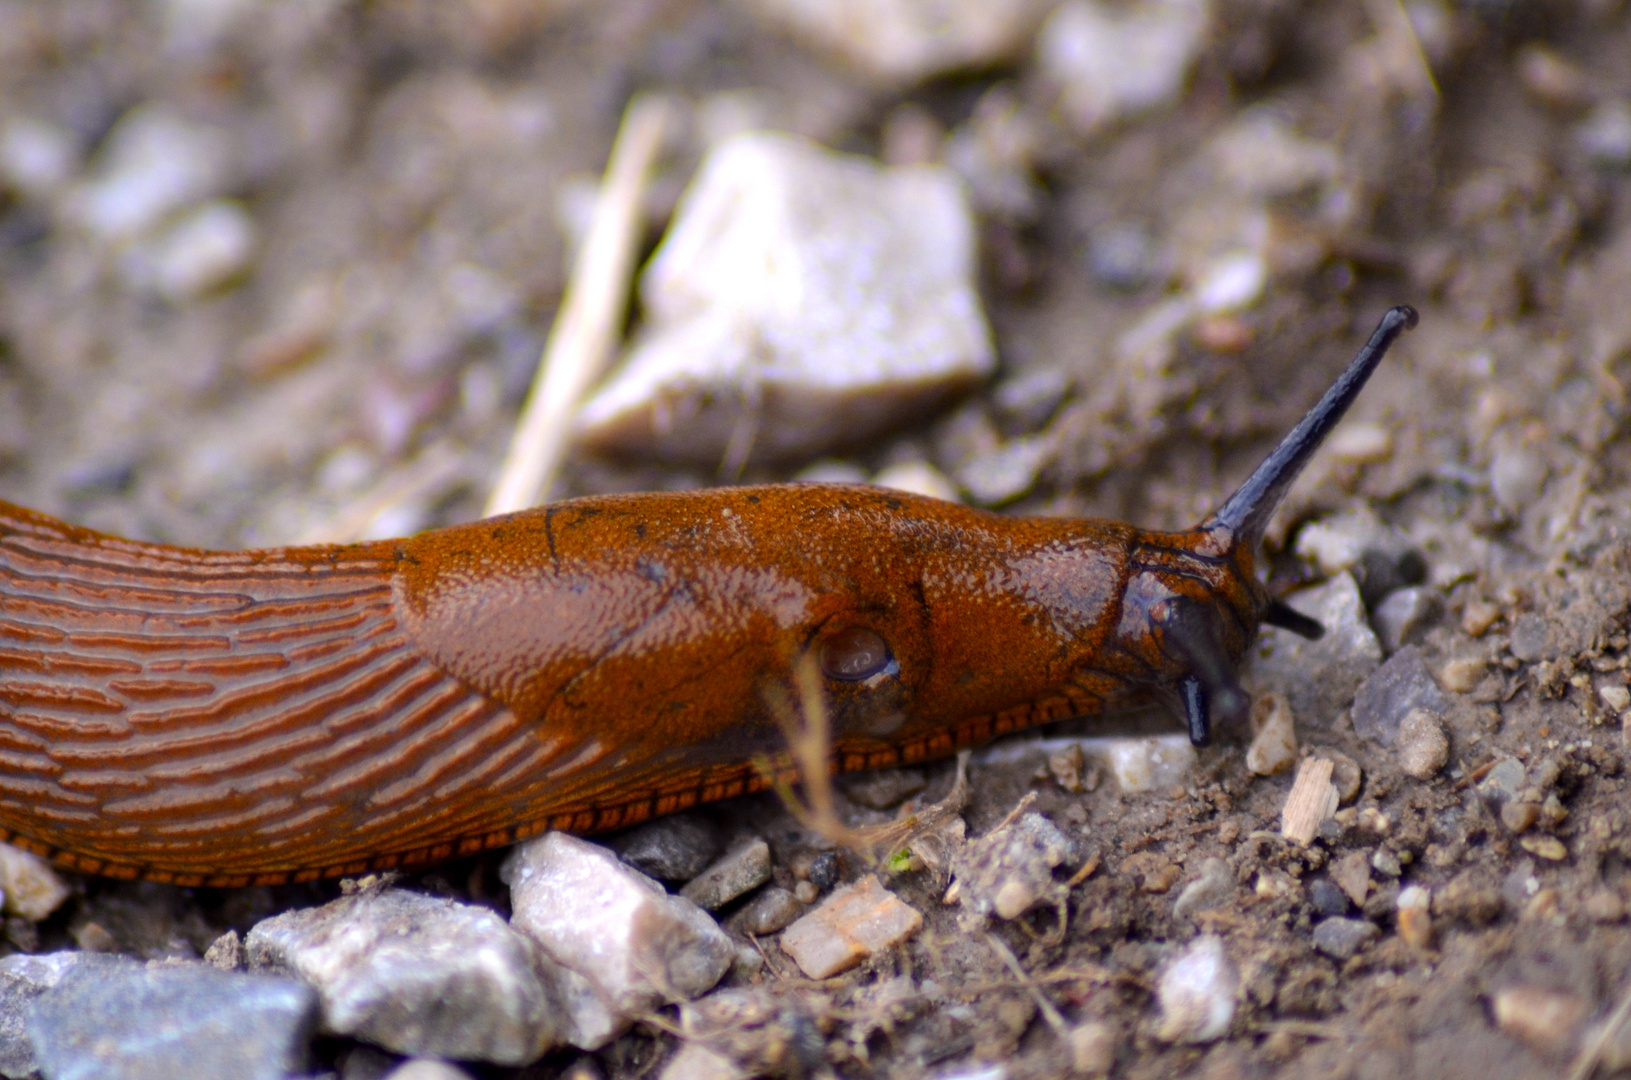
(801,300)
(1007,471)
(152,164)
(208,247)
(1150,764)
(31,887)
(35,157)
(1197,993)
(906,40)
(918,477)
(632,944)
(1114,61)
(418,975)
(1274,742)
(1605,134)
(1231,283)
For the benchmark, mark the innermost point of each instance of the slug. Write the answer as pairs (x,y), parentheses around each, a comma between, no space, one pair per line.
(229,718)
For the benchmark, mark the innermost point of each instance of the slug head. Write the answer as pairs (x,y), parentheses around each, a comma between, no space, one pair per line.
(1201,606)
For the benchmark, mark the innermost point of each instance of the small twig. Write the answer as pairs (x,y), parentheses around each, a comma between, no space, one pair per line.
(1586,1063)
(809,744)
(1049,1013)
(590,315)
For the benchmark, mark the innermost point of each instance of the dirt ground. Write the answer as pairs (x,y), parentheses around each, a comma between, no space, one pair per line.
(406,167)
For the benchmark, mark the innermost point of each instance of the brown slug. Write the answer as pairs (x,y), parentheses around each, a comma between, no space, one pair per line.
(228,718)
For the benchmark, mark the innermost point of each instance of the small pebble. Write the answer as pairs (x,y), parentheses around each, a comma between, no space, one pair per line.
(1197,993)
(1274,745)
(1603,906)
(136,1022)
(1318,678)
(418,975)
(834,471)
(1616,698)
(1516,476)
(773,909)
(852,924)
(1531,639)
(151,164)
(1384,861)
(1404,616)
(1503,781)
(1388,695)
(625,937)
(698,1061)
(1341,938)
(1327,898)
(920,478)
(1360,443)
(1462,674)
(1111,62)
(1351,873)
(1066,766)
(1006,472)
(824,869)
(1152,763)
(736,874)
(883,789)
(210,246)
(36,158)
(1031,398)
(1415,916)
(1519,816)
(1092,1048)
(1213,888)
(897,43)
(1478,616)
(32,888)
(1346,774)
(1605,134)
(673,848)
(1546,847)
(1422,747)
(427,1069)
(226,952)
(805,892)
(1547,1020)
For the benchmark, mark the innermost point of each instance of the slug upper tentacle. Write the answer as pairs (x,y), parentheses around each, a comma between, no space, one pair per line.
(226,718)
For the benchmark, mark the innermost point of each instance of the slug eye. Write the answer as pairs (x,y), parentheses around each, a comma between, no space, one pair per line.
(856,654)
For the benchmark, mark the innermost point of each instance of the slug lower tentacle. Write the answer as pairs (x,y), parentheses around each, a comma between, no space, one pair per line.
(228,718)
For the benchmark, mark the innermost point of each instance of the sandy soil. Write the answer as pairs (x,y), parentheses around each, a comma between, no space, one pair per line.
(405,166)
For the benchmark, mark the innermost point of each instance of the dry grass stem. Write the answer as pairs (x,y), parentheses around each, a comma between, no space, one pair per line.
(590,315)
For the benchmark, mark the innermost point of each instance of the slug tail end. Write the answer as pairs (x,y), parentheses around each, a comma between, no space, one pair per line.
(1246,513)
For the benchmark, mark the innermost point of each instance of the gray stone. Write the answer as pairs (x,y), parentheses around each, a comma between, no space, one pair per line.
(801,300)
(1031,398)
(1404,616)
(673,848)
(1211,889)
(1111,62)
(1319,678)
(134,1022)
(1391,691)
(1342,938)
(1605,136)
(1503,781)
(1531,640)
(22,980)
(1327,897)
(1006,472)
(631,944)
(773,909)
(738,873)
(883,789)
(419,975)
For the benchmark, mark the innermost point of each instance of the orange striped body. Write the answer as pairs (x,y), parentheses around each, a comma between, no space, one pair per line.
(232,718)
